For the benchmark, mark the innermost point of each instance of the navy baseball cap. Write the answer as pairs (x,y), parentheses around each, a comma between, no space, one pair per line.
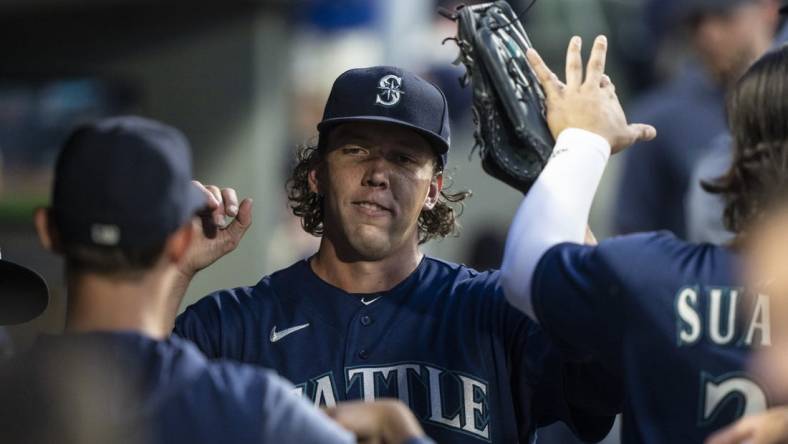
(391,95)
(23,293)
(124,181)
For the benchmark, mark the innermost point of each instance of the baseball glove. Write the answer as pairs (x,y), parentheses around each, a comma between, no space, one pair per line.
(511,132)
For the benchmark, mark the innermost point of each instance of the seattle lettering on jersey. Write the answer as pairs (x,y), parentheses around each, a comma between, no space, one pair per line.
(727,319)
(445,398)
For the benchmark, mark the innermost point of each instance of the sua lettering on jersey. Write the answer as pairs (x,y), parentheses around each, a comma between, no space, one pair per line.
(669,317)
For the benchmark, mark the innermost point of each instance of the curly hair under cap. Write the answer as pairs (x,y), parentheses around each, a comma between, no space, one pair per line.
(758,120)
(439,222)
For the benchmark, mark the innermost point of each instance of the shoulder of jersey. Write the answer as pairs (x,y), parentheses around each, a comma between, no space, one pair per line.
(449,266)
(631,251)
(461,276)
(636,241)
(261,290)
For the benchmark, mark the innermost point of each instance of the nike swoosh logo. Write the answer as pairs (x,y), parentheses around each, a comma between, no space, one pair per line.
(278,335)
(366,302)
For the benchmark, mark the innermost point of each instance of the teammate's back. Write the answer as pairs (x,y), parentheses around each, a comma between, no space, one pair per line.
(669,317)
(123,387)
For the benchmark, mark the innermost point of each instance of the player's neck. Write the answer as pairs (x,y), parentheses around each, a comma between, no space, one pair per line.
(362,276)
(96,303)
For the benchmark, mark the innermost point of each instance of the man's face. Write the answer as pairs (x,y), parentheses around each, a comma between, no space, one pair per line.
(375,179)
(729,41)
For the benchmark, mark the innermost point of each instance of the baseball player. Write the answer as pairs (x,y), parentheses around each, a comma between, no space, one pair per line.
(667,316)
(370,315)
(114,376)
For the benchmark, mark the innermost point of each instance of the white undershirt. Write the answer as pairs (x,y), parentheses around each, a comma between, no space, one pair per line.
(554,211)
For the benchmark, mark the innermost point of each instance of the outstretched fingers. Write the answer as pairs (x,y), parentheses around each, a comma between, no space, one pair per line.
(574,63)
(547,78)
(596,62)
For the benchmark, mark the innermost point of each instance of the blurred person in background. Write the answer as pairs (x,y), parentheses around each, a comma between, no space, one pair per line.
(114,375)
(703,210)
(726,36)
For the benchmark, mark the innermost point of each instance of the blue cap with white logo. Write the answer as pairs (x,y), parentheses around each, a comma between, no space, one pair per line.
(124,181)
(392,95)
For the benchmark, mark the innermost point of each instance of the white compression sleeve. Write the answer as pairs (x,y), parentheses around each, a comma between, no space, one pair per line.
(554,211)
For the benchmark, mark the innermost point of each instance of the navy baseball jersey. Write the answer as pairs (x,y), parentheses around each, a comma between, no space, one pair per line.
(670,317)
(131,389)
(444,341)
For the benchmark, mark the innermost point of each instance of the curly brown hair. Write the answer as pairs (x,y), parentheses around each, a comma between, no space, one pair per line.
(758,120)
(439,222)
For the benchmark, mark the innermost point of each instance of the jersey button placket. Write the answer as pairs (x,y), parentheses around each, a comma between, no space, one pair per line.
(359,334)
(364,320)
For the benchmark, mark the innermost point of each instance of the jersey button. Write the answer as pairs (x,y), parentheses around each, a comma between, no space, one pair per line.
(363,354)
(365,320)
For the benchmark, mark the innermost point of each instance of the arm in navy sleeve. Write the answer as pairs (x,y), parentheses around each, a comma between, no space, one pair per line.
(587,296)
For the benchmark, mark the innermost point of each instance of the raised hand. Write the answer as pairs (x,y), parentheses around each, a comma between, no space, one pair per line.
(589,102)
(213,237)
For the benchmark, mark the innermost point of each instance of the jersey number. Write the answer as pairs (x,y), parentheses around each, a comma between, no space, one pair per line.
(716,392)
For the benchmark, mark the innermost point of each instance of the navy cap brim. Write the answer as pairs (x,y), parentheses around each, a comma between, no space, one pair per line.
(435,140)
(23,293)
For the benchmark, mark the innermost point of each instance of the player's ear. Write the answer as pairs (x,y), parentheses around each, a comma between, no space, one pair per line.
(434,193)
(178,243)
(313,182)
(45,228)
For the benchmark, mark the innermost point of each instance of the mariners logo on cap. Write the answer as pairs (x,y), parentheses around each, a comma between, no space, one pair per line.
(390,91)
